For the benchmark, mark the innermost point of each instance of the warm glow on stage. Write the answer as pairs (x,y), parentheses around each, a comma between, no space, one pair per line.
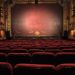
(37,20)
(37,33)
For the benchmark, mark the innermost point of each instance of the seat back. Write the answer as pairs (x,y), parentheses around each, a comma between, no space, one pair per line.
(5,68)
(15,58)
(66,69)
(19,51)
(35,50)
(3,57)
(33,69)
(65,57)
(5,50)
(43,58)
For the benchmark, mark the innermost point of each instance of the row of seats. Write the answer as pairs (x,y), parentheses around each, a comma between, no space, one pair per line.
(36,69)
(38,58)
(36,43)
(21,50)
(18,50)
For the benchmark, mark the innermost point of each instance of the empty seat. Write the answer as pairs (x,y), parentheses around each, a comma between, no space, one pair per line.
(33,69)
(65,57)
(35,50)
(66,69)
(18,51)
(52,50)
(68,49)
(3,57)
(15,58)
(5,68)
(5,50)
(43,58)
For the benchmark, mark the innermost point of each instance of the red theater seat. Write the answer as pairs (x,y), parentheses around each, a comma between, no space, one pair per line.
(5,50)
(19,51)
(5,68)
(52,50)
(3,57)
(43,58)
(66,69)
(33,69)
(15,58)
(65,57)
(68,49)
(35,50)
(51,58)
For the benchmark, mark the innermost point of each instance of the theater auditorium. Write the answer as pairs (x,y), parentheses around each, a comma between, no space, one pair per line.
(37,37)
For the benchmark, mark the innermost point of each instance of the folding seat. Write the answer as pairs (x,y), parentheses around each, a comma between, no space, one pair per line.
(34,69)
(52,50)
(15,58)
(65,57)
(43,58)
(19,51)
(13,47)
(3,57)
(5,68)
(35,50)
(68,49)
(5,50)
(66,69)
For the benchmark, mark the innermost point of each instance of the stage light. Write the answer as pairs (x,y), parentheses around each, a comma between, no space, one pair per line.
(37,33)
(72,33)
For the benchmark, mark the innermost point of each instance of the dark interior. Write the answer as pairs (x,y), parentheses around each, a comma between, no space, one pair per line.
(37,37)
